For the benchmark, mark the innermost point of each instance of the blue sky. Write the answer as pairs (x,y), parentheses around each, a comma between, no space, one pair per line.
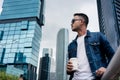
(58,14)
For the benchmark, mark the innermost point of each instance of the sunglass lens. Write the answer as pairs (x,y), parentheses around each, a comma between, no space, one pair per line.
(73,21)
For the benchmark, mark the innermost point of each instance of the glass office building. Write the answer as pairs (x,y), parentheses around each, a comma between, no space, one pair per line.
(61,54)
(44,70)
(47,65)
(109,20)
(20,35)
(20,9)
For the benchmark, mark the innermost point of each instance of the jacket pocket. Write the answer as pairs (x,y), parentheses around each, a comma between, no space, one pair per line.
(94,43)
(95,47)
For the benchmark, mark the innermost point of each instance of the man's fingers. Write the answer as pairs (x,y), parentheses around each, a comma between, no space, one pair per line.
(69,70)
(69,62)
(100,71)
(69,66)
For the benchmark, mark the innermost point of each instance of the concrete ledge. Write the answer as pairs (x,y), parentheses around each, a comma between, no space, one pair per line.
(113,69)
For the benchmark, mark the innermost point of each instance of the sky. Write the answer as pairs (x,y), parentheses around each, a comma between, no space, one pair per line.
(59,13)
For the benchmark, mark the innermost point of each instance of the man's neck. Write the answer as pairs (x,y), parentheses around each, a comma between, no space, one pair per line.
(82,32)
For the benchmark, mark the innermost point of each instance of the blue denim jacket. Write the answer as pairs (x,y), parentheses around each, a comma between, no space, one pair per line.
(98,51)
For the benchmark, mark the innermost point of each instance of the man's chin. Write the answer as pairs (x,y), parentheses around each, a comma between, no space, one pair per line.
(74,30)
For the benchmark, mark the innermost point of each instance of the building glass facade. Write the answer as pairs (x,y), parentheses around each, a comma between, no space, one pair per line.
(20,36)
(61,54)
(20,42)
(20,9)
(109,20)
(44,70)
(117,14)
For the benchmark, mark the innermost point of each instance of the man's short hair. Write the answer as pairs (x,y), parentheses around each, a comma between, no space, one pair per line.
(84,16)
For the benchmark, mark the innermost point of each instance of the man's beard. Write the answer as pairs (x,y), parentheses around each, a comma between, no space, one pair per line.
(75,29)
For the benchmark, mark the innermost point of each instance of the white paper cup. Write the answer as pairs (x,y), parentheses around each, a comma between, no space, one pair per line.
(75,63)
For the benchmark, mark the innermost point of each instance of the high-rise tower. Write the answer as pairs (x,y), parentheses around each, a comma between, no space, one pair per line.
(109,20)
(45,61)
(20,35)
(61,54)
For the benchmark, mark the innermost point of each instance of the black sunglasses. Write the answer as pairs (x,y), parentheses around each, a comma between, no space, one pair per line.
(73,20)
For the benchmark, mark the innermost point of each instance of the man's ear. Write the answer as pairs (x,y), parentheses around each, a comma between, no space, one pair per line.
(81,21)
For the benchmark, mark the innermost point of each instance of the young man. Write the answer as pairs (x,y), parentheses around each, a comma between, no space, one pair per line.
(92,50)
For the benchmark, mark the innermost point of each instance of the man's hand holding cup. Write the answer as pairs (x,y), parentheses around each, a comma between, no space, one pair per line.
(72,65)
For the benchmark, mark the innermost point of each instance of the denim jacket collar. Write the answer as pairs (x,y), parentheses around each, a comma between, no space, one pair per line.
(87,35)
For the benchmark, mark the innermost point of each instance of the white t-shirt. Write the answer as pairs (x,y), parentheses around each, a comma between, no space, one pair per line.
(84,71)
